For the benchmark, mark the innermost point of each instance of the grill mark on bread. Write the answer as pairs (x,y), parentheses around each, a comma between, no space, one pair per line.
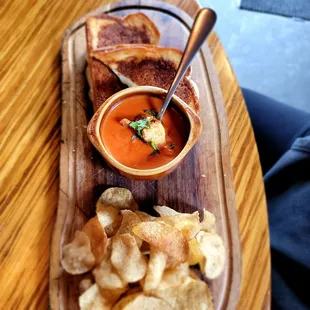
(157,72)
(118,33)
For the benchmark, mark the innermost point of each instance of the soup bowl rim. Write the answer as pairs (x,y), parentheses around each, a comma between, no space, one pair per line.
(93,130)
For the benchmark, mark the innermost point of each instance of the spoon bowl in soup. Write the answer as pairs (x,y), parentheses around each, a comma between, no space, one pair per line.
(128,135)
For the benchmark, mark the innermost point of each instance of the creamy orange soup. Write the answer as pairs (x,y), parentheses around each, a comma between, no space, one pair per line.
(131,151)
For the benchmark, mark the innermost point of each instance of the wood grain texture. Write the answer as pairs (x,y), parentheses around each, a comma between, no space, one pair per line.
(250,194)
(30,143)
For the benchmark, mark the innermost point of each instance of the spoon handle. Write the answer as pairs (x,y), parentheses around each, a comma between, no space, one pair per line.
(203,25)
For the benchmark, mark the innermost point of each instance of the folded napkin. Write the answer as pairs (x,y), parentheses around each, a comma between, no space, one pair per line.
(291,8)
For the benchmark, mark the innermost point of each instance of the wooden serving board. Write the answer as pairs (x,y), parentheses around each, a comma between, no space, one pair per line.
(203,180)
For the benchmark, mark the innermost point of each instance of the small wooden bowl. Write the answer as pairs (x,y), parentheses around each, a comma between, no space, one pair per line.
(93,131)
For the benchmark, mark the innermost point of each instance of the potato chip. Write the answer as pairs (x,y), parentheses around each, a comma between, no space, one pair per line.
(130,219)
(110,219)
(127,259)
(117,197)
(91,299)
(195,254)
(98,238)
(188,224)
(144,217)
(112,296)
(174,276)
(125,301)
(141,282)
(208,222)
(188,294)
(77,256)
(165,238)
(171,263)
(165,211)
(109,248)
(212,248)
(141,302)
(155,269)
(124,277)
(85,284)
(106,275)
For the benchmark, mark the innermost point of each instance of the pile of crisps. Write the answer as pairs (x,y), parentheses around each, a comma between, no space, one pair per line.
(143,262)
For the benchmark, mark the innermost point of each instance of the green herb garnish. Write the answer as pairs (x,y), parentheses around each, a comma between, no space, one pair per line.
(139,125)
(154,146)
(151,112)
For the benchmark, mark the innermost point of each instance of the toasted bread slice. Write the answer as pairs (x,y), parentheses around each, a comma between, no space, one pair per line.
(103,82)
(144,64)
(106,30)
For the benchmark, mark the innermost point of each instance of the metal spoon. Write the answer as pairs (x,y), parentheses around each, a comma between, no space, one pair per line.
(203,25)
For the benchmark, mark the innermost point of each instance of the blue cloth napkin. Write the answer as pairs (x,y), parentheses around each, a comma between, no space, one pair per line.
(285,156)
(290,8)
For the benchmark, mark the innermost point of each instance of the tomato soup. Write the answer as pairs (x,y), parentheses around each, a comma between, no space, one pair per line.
(133,152)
